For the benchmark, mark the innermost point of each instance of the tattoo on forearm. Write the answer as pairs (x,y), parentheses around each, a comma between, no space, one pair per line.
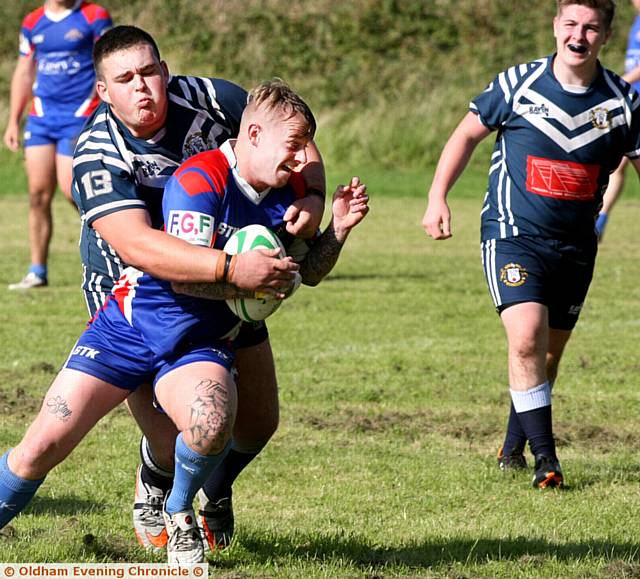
(58,407)
(210,415)
(210,291)
(321,258)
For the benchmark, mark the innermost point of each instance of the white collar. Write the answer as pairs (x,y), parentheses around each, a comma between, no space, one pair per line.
(59,16)
(249,192)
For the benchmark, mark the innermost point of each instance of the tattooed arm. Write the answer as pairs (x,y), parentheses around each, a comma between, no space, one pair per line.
(349,206)
(211,291)
(251,269)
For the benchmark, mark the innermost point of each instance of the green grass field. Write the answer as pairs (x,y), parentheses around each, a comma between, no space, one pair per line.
(394,399)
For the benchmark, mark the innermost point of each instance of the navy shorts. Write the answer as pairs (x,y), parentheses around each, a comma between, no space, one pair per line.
(112,350)
(554,273)
(45,131)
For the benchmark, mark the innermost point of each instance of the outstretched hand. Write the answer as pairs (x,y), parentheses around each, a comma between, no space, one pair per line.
(349,207)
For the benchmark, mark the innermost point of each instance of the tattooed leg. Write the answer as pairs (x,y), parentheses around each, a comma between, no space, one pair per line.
(72,406)
(201,398)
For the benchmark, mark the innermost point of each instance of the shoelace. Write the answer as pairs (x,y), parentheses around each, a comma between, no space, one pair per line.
(186,540)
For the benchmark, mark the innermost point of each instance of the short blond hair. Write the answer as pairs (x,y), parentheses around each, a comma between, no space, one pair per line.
(276,95)
(606,7)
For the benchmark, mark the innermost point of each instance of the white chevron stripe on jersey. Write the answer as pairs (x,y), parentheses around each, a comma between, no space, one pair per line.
(116,204)
(502,80)
(97,146)
(523,89)
(570,122)
(571,144)
(198,92)
(616,89)
(114,162)
(211,91)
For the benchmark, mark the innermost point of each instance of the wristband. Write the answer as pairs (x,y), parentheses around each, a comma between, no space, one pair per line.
(225,267)
(220,267)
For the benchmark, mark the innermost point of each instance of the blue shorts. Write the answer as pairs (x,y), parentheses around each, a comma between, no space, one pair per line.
(44,131)
(554,273)
(250,334)
(112,350)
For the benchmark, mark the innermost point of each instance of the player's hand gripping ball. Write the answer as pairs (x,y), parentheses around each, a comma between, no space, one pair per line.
(246,239)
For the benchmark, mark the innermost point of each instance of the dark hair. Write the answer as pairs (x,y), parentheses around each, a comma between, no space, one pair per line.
(277,95)
(606,7)
(120,38)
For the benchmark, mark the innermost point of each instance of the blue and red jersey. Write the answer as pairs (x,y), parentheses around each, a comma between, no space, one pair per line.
(204,203)
(554,151)
(632,57)
(61,45)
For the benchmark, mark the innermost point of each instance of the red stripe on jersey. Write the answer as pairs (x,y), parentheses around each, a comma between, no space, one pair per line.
(193,182)
(562,179)
(31,19)
(92,106)
(213,164)
(121,291)
(93,12)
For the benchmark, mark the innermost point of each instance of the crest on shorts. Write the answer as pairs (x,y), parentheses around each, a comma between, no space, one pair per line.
(599,117)
(513,274)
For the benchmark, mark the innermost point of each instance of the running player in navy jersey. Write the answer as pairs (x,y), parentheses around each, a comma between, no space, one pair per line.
(632,76)
(563,124)
(149,123)
(54,68)
(148,331)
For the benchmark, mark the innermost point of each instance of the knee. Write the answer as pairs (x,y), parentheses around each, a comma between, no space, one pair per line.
(527,345)
(211,432)
(40,198)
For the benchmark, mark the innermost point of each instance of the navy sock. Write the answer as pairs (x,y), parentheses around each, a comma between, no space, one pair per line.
(218,485)
(192,469)
(15,492)
(151,473)
(538,426)
(534,413)
(515,439)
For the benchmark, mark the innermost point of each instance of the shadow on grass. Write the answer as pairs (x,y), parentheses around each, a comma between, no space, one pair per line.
(67,505)
(356,551)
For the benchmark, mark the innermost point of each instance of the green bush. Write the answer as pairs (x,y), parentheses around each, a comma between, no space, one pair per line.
(388,79)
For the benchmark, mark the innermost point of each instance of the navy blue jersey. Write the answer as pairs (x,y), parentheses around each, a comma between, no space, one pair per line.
(115,171)
(554,150)
(204,203)
(61,45)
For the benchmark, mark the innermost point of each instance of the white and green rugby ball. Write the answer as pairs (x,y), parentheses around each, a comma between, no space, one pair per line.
(246,239)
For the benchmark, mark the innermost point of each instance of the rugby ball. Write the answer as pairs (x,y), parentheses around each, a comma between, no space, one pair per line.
(246,239)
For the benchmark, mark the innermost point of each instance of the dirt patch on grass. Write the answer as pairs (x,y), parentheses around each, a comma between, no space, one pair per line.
(460,426)
(481,427)
(18,403)
(593,436)
(621,569)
